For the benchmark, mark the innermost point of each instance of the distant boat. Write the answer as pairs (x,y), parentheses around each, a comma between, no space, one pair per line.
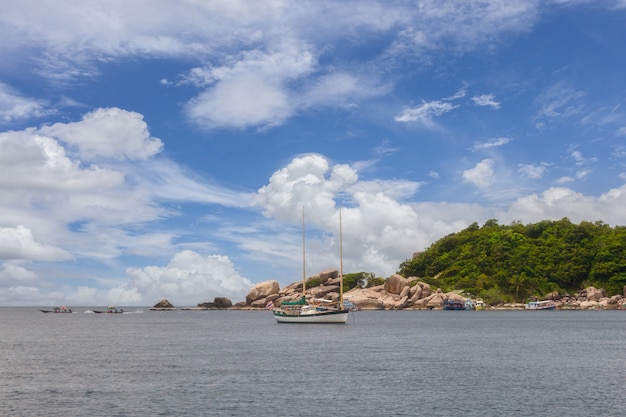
(110,310)
(454,304)
(320,311)
(480,304)
(540,305)
(61,309)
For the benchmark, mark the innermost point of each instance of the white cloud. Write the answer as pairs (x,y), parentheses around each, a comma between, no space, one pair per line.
(531,171)
(425,113)
(19,243)
(239,102)
(559,102)
(14,106)
(491,143)
(378,228)
(108,133)
(66,206)
(188,279)
(482,175)
(486,100)
(558,202)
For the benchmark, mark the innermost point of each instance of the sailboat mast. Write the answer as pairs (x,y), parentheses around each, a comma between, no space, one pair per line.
(303,258)
(340,262)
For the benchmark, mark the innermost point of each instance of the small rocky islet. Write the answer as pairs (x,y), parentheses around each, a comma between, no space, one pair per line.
(397,293)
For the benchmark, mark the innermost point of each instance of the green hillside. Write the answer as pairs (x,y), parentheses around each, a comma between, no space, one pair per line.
(512,263)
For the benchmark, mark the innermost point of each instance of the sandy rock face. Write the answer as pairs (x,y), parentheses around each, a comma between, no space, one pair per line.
(262,290)
(395,284)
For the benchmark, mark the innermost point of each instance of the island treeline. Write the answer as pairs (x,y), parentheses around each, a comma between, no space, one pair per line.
(513,263)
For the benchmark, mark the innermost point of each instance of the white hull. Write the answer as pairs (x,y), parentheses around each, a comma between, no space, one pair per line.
(330,317)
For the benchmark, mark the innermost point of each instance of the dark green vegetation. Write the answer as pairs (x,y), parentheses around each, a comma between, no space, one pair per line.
(361,280)
(512,263)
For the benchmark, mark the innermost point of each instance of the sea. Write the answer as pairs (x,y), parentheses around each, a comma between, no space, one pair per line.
(380,363)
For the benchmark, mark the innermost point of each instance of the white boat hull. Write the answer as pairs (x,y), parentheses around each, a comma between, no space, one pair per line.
(322,317)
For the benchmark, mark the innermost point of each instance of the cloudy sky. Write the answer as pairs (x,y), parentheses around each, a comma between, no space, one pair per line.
(157,149)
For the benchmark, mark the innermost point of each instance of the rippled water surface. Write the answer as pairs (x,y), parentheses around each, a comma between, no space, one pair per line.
(242,363)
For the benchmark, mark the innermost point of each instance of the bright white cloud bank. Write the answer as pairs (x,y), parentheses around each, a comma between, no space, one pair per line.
(188,278)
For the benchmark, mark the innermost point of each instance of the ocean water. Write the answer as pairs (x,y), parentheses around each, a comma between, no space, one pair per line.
(381,363)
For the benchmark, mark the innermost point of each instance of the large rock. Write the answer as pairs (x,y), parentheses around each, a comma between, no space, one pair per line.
(395,284)
(365,298)
(426,290)
(328,274)
(218,304)
(393,301)
(163,305)
(321,291)
(262,290)
(595,294)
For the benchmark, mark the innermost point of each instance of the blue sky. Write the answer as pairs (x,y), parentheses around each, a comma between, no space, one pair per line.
(158,149)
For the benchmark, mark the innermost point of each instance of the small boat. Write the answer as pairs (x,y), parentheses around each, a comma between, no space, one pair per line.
(540,305)
(453,304)
(320,311)
(61,309)
(480,304)
(110,310)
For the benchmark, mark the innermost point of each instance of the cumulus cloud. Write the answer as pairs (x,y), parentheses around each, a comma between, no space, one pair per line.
(67,206)
(188,279)
(486,100)
(378,227)
(239,102)
(482,175)
(108,133)
(558,202)
(19,243)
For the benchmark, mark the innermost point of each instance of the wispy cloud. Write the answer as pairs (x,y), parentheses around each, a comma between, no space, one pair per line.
(531,171)
(491,143)
(14,106)
(486,100)
(559,102)
(425,113)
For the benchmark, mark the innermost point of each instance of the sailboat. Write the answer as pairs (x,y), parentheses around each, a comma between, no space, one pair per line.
(300,311)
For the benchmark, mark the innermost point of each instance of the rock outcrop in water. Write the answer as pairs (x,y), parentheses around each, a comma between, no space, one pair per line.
(163,305)
(219,303)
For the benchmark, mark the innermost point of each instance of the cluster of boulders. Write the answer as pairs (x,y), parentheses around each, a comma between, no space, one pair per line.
(397,293)
(589,298)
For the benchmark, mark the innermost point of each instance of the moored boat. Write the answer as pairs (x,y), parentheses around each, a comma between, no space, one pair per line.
(480,304)
(61,309)
(540,305)
(320,311)
(110,310)
(453,304)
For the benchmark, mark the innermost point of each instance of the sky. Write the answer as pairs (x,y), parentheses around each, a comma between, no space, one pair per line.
(153,149)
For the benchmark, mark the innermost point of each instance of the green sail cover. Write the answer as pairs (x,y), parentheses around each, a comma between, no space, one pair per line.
(299,302)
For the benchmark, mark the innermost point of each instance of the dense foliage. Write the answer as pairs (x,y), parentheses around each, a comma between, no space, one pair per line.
(512,263)
(361,280)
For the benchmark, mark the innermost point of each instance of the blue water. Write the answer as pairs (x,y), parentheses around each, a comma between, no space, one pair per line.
(382,363)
